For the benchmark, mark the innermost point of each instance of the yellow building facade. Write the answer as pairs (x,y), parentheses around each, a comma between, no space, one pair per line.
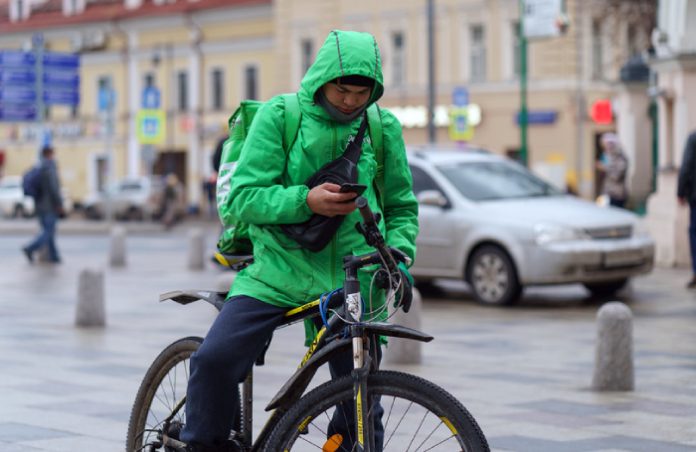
(204,57)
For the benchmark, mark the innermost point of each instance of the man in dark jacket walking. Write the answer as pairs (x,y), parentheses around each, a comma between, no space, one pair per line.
(686,193)
(49,206)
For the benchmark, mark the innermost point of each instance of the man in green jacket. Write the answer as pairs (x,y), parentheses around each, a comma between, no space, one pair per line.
(268,190)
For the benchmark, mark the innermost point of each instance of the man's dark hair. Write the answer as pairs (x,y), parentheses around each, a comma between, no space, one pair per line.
(46,151)
(357,80)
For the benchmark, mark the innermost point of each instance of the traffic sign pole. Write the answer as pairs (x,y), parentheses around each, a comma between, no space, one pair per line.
(38,44)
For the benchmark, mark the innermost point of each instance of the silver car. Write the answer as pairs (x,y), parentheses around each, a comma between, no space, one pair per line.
(490,221)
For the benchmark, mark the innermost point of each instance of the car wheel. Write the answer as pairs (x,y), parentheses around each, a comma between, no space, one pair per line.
(606,288)
(18,211)
(492,276)
(92,213)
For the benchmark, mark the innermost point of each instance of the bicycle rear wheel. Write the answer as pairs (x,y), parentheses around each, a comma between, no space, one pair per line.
(163,386)
(418,416)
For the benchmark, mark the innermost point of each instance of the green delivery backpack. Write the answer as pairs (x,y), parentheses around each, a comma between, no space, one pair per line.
(235,236)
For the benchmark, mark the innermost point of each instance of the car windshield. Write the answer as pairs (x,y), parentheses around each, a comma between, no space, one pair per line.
(485,181)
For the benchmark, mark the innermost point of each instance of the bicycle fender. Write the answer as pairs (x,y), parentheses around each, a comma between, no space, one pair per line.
(184,297)
(388,329)
(293,389)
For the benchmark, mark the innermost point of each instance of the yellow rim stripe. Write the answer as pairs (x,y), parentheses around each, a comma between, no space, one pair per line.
(449,425)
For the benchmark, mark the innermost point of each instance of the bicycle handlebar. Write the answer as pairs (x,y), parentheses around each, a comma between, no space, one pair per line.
(374,236)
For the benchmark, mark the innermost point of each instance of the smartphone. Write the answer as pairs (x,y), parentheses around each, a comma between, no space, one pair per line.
(358,189)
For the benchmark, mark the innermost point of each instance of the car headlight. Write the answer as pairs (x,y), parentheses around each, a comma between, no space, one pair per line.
(546,233)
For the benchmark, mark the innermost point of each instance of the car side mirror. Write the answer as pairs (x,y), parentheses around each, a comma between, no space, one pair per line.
(432,198)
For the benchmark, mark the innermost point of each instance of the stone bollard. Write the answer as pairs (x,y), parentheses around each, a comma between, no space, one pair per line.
(196,249)
(117,255)
(90,299)
(614,354)
(405,351)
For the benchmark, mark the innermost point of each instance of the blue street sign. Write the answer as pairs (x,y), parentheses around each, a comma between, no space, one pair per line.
(66,79)
(151,98)
(17,95)
(17,58)
(61,97)
(61,60)
(539,117)
(18,113)
(460,96)
(17,77)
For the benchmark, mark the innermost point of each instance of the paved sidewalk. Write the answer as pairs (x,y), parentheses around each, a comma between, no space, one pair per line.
(524,372)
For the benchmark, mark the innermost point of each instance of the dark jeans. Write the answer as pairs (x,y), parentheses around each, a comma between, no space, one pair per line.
(236,338)
(47,236)
(692,234)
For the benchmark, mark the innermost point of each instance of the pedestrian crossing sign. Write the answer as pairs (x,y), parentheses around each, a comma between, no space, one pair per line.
(151,126)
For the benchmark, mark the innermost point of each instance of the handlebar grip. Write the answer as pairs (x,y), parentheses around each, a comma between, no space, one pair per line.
(365,211)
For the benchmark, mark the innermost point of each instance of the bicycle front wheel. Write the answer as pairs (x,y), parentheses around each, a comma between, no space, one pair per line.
(163,387)
(418,416)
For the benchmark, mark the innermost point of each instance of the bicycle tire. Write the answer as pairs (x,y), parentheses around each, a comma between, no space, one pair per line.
(427,417)
(145,419)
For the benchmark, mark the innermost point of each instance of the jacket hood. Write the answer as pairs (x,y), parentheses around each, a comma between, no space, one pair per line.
(344,53)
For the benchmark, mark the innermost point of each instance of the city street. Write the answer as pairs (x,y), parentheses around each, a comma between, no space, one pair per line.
(524,372)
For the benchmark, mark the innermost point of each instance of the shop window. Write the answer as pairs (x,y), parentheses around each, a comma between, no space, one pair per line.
(251,82)
(217,82)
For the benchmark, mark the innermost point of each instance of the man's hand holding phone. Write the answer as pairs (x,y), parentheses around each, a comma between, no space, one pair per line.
(358,189)
(331,199)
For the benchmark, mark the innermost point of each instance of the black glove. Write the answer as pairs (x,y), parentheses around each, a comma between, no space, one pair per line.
(406,287)
(405,295)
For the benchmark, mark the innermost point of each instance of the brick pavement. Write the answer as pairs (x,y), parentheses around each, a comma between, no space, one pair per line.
(524,372)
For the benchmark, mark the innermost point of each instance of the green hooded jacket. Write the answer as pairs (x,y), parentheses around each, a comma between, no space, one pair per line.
(268,190)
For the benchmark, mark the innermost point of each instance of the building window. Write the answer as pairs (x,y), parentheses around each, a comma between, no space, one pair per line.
(478,53)
(398,64)
(19,10)
(217,83)
(71,7)
(597,50)
(516,50)
(632,40)
(182,91)
(251,82)
(307,55)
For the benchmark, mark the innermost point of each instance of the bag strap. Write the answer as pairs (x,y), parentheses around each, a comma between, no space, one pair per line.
(293,115)
(374,116)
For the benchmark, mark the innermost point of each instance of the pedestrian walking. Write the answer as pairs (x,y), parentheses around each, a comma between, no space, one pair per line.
(171,200)
(686,195)
(48,202)
(268,190)
(613,165)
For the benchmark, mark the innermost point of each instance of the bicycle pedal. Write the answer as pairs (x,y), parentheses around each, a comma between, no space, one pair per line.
(333,443)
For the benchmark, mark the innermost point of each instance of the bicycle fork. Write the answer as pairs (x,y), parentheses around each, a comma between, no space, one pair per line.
(364,428)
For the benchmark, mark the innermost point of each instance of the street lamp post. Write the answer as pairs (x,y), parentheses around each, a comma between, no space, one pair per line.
(523,86)
(431,73)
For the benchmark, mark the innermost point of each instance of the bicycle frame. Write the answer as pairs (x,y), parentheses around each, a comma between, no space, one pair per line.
(329,340)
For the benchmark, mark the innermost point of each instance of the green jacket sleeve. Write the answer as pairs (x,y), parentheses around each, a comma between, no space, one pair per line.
(257,195)
(400,205)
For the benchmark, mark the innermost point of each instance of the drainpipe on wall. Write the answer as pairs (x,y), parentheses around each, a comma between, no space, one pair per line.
(194,138)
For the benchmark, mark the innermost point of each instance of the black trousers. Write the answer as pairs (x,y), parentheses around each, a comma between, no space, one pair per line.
(236,338)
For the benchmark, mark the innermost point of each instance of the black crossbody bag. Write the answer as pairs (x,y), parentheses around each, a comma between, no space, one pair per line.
(315,233)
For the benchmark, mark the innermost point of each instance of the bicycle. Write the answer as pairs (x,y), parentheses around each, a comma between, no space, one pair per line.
(390,410)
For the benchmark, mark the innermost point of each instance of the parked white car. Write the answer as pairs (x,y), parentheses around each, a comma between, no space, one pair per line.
(490,221)
(13,202)
(130,199)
